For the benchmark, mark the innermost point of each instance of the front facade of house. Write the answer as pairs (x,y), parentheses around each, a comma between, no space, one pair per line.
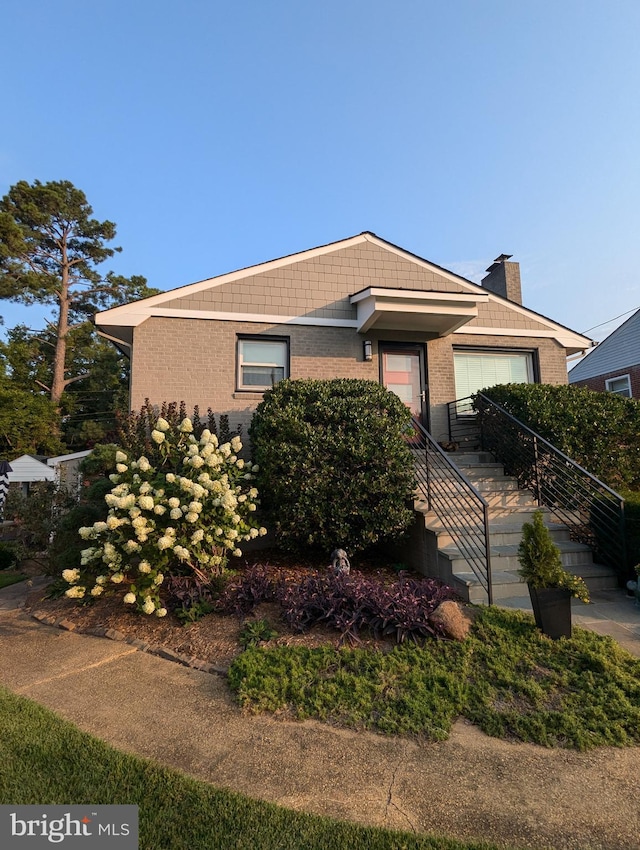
(614,366)
(358,308)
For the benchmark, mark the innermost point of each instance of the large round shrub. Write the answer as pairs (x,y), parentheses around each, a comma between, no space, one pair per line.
(335,469)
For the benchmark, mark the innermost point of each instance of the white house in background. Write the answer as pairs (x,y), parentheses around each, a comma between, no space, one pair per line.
(63,469)
(26,470)
(67,469)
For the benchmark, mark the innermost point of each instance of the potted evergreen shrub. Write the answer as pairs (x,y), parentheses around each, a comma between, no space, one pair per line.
(550,585)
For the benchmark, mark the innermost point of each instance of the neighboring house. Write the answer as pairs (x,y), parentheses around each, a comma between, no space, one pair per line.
(614,366)
(67,470)
(63,469)
(358,308)
(26,470)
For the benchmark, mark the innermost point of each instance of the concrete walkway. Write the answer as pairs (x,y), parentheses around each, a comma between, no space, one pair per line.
(470,786)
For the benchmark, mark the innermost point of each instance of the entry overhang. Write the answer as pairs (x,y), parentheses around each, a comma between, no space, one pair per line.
(434,313)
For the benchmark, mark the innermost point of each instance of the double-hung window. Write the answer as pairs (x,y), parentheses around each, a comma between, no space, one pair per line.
(619,386)
(478,370)
(262,362)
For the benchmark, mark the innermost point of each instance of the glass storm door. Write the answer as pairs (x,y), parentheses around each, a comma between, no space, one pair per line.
(403,372)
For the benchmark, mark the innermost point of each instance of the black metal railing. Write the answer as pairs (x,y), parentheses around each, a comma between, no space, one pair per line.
(459,507)
(593,512)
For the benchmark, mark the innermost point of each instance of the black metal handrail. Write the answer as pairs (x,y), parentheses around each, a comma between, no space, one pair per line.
(592,511)
(460,508)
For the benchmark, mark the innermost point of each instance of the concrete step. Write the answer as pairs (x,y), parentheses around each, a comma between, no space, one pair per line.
(502,531)
(505,558)
(507,583)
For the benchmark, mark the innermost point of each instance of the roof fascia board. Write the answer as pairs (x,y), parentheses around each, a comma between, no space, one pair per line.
(566,339)
(391,293)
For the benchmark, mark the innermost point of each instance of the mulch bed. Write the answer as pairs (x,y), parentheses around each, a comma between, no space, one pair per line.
(212,642)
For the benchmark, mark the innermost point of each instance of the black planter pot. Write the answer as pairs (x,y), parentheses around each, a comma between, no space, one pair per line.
(552,610)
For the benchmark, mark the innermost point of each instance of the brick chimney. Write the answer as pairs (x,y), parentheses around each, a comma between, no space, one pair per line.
(504,279)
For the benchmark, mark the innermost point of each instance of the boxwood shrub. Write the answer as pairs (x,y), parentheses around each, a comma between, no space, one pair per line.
(334,468)
(600,431)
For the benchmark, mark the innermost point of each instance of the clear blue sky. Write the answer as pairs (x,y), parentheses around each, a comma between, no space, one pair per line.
(221,134)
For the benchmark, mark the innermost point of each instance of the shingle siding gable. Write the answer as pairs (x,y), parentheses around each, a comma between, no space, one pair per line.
(318,287)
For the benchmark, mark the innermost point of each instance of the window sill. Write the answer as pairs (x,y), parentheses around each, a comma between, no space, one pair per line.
(248,394)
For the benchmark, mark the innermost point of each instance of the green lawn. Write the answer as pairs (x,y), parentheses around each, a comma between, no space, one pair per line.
(7,578)
(46,760)
(506,677)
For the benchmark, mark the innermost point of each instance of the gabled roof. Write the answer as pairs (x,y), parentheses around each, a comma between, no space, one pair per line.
(28,468)
(117,324)
(620,350)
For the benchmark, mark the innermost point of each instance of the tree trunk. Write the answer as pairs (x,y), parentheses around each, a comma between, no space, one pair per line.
(58,382)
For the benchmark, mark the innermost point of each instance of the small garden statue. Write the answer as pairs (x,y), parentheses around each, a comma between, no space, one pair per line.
(340,562)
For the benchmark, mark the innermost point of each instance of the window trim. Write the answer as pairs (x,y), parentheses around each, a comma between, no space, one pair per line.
(257,388)
(619,378)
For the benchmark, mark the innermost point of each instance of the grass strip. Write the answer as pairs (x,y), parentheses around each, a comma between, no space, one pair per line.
(508,678)
(7,578)
(46,760)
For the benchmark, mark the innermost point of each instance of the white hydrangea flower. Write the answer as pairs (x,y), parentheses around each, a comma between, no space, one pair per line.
(195,506)
(112,522)
(86,555)
(86,532)
(114,478)
(251,507)
(144,465)
(131,546)
(139,522)
(174,503)
(196,462)
(134,513)
(242,497)
(181,553)
(170,477)
(72,576)
(192,450)
(170,530)
(253,493)
(149,605)
(101,580)
(144,567)
(75,592)
(129,598)
(225,450)
(162,424)
(240,463)
(175,513)
(144,488)
(157,436)
(236,443)
(262,531)
(186,427)
(159,509)
(205,436)
(204,478)
(97,590)
(120,457)
(237,552)
(254,468)
(146,503)
(161,612)
(158,579)
(192,516)
(121,467)
(117,578)
(253,533)
(165,542)
(197,536)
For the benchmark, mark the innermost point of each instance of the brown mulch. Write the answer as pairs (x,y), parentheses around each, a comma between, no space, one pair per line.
(215,637)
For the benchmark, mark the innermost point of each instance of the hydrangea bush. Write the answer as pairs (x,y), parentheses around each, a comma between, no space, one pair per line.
(183,516)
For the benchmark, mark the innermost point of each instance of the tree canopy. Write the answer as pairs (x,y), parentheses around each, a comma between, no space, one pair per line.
(51,252)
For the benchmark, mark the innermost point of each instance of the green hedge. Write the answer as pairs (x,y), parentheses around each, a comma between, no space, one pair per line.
(600,431)
(334,469)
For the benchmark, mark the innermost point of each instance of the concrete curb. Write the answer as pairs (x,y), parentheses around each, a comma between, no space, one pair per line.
(142,646)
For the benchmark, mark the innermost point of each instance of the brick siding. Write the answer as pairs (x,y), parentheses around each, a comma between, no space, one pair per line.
(599,382)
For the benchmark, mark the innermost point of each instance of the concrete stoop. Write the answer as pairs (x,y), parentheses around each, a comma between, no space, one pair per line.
(509,509)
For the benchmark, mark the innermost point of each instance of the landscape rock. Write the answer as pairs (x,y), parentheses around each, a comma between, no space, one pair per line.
(453,619)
